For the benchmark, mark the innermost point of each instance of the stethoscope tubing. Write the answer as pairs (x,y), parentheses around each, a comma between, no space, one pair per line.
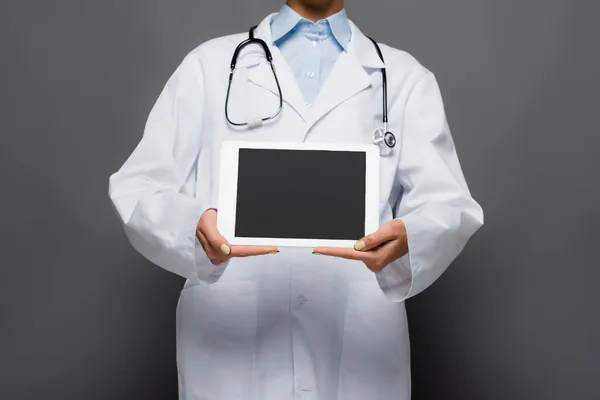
(388,137)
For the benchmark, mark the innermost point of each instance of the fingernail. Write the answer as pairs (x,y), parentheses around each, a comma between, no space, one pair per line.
(315,253)
(274,252)
(360,245)
(225,249)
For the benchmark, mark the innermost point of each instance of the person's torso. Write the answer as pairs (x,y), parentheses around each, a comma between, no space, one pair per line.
(318,327)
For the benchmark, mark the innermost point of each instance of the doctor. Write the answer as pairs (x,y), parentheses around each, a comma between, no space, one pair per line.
(257,323)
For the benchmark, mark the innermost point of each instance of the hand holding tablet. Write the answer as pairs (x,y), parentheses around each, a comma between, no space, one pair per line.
(377,250)
(217,248)
(308,195)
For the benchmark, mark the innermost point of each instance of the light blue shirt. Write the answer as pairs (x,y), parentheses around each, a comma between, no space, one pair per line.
(310,49)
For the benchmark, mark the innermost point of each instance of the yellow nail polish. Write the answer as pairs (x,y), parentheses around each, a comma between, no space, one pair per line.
(274,252)
(315,253)
(225,249)
(360,245)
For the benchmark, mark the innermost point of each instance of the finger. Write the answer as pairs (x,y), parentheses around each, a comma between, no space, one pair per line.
(349,254)
(208,226)
(216,257)
(377,263)
(247,251)
(384,255)
(384,234)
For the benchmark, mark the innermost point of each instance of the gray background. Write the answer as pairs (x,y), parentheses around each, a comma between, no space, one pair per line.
(84,317)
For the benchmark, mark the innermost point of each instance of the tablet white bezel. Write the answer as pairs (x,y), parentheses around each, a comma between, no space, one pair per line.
(228,191)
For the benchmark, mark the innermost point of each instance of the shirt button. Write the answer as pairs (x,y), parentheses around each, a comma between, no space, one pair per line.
(320,28)
(314,43)
(310,74)
(302,299)
(307,104)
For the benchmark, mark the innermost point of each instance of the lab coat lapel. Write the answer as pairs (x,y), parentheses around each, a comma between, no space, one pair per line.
(348,77)
(263,76)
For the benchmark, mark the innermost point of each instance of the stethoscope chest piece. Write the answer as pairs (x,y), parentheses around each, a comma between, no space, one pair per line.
(385,141)
(389,139)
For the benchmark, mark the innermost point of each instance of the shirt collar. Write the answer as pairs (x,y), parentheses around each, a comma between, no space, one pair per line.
(287,19)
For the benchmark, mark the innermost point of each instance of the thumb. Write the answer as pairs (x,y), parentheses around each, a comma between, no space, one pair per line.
(382,235)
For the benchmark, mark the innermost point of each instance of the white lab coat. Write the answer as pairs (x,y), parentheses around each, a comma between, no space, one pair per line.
(294,325)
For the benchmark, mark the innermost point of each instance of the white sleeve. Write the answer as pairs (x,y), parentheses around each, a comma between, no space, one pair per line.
(436,206)
(154,192)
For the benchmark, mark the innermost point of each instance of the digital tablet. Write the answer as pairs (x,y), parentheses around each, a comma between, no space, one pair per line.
(298,194)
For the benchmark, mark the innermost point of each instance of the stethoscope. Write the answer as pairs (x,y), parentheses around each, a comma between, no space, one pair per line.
(382,138)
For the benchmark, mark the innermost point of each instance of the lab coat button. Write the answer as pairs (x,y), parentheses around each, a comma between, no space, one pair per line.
(302,385)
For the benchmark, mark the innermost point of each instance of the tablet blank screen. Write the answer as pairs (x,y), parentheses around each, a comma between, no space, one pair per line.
(301,194)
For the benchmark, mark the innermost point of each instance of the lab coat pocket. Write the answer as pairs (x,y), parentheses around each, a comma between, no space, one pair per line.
(216,338)
(375,348)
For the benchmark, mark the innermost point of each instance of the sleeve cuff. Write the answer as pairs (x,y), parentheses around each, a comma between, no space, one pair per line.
(397,279)
(205,270)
